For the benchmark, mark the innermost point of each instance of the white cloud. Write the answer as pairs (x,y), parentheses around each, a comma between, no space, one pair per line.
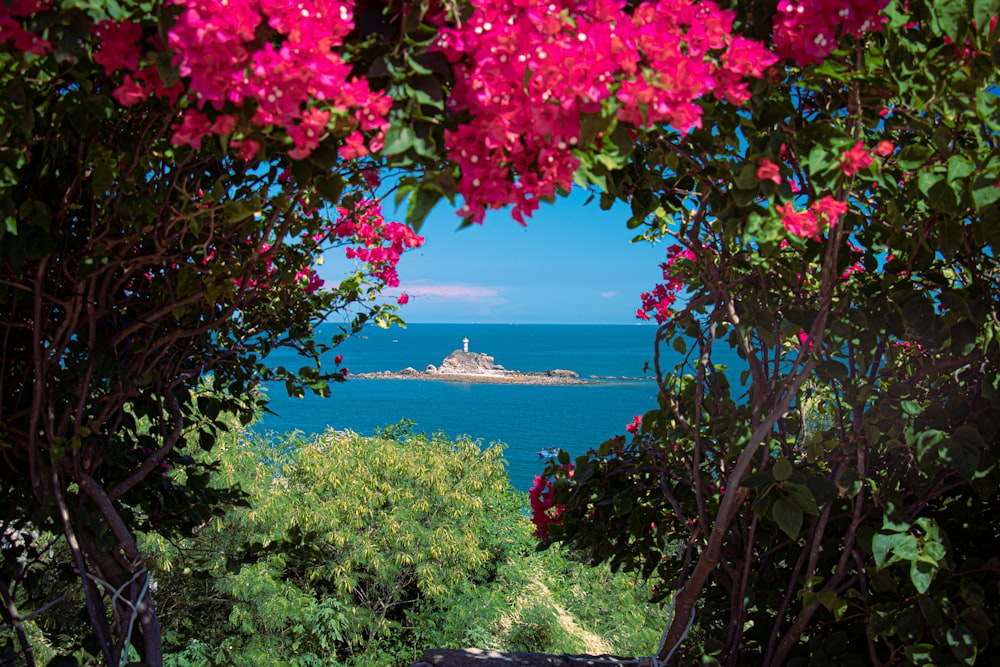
(609,295)
(450,291)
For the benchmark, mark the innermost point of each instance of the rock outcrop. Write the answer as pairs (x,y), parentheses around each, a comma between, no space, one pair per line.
(463,362)
(476,367)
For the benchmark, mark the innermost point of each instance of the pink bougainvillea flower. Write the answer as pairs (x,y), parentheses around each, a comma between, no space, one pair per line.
(151,77)
(660,300)
(246,149)
(279,60)
(809,223)
(223,124)
(118,48)
(192,128)
(828,210)
(854,160)
(541,498)
(636,424)
(768,171)
(24,40)
(378,243)
(130,92)
(884,148)
(799,223)
(309,280)
(528,71)
(337,359)
(805,341)
(807,31)
(307,134)
(403,299)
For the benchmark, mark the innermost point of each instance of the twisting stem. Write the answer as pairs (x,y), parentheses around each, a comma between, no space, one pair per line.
(18,623)
(97,618)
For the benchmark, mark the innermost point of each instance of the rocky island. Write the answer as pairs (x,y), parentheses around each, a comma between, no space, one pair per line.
(476,367)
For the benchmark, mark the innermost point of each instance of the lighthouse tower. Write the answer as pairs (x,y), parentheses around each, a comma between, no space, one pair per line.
(465,345)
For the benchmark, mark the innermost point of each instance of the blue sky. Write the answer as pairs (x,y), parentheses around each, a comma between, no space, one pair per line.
(572,264)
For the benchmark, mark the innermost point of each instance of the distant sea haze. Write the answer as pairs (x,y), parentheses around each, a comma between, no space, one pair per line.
(527,418)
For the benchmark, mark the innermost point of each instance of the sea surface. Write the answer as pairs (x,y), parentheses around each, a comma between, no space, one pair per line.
(527,418)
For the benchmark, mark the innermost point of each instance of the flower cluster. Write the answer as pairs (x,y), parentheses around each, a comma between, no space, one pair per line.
(541,497)
(120,47)
(811,222)
(273,60)
(12,30)
(376,242)
(308,279)
(769,171)
(854,160)
(661,299)
(807,31)
(527,70)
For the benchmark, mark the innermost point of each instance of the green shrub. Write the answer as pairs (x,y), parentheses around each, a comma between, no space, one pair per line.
(368,551)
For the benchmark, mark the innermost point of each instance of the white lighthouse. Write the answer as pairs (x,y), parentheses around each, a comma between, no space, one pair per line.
(465,345)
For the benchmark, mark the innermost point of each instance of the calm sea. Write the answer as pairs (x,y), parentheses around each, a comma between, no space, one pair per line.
(526,418)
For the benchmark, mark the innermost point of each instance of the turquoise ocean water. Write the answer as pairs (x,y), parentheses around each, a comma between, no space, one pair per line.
(527,418)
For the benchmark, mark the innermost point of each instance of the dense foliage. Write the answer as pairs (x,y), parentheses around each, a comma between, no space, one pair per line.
(142,280)
(365,551)
(830,499)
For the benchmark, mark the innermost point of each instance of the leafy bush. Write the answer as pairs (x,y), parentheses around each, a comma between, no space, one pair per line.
(367,551)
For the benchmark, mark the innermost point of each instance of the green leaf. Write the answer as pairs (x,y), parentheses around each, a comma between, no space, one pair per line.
(747,178)
(834,369)
(921,574)
(835,604)
(918,313)
(927,179)
(959,167)
(823,489)
(906,548)
(330,187)
(929,610)
(955,303)
(421,203)
(919,654)
(962,642)
(882,544)
(114,10)
(972,593)
(914,157)
(818,160)
(984,192)
(850,482)
(950,17)
(758,479)
(782,469)
(398,139)
(983,11)
(788,516)
(802,497)
(965,448)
